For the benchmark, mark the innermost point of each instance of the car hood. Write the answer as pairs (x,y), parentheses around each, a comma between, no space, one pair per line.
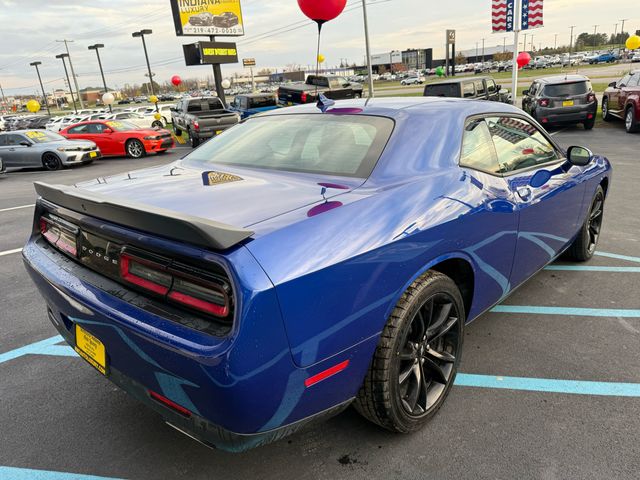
(240,197)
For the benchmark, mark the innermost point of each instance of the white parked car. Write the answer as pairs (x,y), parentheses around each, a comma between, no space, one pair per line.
(139,120)
(636,58)
(164,110)
(412,81)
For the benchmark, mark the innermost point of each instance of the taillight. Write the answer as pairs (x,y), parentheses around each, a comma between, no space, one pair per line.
(192,290)
(303,97)
(196,125)
(207,298)
(144,274)
(591,97)
(543,102)
(59,236)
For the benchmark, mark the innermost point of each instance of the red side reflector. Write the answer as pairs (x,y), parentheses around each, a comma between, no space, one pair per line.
(326,373)
(544,120)
(589,116)
(168,403)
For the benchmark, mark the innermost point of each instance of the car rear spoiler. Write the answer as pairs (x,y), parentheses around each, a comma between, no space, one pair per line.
(158,221)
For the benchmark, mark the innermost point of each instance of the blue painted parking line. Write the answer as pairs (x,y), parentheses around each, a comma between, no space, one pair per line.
(592,268)
(577,387)
(13,473)
(619,257)
(32,348)
(580,312)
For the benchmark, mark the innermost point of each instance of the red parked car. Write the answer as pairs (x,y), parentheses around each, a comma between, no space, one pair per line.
(121,138)
(622,99)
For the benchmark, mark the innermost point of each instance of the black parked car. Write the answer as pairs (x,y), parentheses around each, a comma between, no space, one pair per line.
(476,88)
(226,20)
(561,100)
(202,19)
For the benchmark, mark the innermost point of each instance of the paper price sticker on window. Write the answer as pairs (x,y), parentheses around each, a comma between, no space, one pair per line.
(35,134)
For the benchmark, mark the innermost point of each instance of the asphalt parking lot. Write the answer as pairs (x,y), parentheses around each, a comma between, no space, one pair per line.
(549,385)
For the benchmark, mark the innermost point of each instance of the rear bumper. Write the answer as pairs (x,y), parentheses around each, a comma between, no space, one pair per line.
(563,115)
(241,388)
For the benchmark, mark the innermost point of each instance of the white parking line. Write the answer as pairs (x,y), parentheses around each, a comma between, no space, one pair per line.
(16,208)
(557,131)
(9,252)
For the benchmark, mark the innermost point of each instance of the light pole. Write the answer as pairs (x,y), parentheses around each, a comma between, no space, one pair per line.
(483,51)
(555,42)
(141,34)
(595,28)
(96,47)
(504,44)
(62,56)
(476,52)
(571,43)
(366,42)
(615,34)
(622,30)
(73,73)
(44,95)
(525,47)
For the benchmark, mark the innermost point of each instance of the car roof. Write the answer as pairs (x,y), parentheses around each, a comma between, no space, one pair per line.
(402,107)
(562,79)
(463,79)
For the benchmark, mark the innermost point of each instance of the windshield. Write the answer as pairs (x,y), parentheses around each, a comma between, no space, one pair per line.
(120,126)
(346,145)
(43,136)
(565,89)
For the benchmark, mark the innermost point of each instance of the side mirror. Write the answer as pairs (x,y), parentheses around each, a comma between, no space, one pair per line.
(107,130)
(613,84)
(525,92)
(579,156)
(498,87)
(24,143)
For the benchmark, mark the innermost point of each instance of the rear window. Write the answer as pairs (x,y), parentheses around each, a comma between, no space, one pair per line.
(565,89)
(442,90)
(345,145)
(260,102)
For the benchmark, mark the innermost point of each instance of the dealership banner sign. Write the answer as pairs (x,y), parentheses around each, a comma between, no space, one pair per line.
(502,15)
(532,14)
(207,17)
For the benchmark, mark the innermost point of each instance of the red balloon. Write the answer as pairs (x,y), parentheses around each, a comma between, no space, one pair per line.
(322,10)
(523,59)
(176,80)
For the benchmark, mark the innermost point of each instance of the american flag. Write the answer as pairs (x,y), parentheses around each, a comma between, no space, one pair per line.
(532,14)
(502,15)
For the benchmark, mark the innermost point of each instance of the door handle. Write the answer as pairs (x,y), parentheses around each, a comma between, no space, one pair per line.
(524,193)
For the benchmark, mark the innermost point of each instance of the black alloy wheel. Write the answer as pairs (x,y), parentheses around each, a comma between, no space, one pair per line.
(51,161)
(584,246)
(427,359)
(415,363)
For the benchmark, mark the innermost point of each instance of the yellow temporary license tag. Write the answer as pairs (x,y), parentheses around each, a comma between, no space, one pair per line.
(567,103)
(93,154)
(91,349)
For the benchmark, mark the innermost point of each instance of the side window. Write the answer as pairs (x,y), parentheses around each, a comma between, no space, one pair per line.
(491,86)
(79,129)
(194,106)
(468,90)
(624,81)
(479,87)
(14,139)
(3,140)
(477,148)
(634,81)
(519,144)
(96,128)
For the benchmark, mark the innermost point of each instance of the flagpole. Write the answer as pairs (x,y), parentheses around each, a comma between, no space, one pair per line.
(517,22)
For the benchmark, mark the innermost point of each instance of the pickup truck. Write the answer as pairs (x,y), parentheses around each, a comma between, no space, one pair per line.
(336,88)
(202,118)
(252,103)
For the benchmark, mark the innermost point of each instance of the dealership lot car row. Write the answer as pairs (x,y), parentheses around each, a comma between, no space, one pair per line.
(472,367)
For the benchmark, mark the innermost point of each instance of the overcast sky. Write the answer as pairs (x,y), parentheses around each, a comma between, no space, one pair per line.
(30,29)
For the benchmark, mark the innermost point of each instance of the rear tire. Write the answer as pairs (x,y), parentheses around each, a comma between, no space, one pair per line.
(606,116)
(631,123)
(415,363)
(157,124)
(584,246)
(589,124)
(134,148)
(51,161)
(195,141)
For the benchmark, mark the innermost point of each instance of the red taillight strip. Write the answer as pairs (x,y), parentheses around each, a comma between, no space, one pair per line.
(141,282)
(208,307)
(318,377)
(170,404)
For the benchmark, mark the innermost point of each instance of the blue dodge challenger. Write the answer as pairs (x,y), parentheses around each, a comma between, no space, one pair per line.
(310,258)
